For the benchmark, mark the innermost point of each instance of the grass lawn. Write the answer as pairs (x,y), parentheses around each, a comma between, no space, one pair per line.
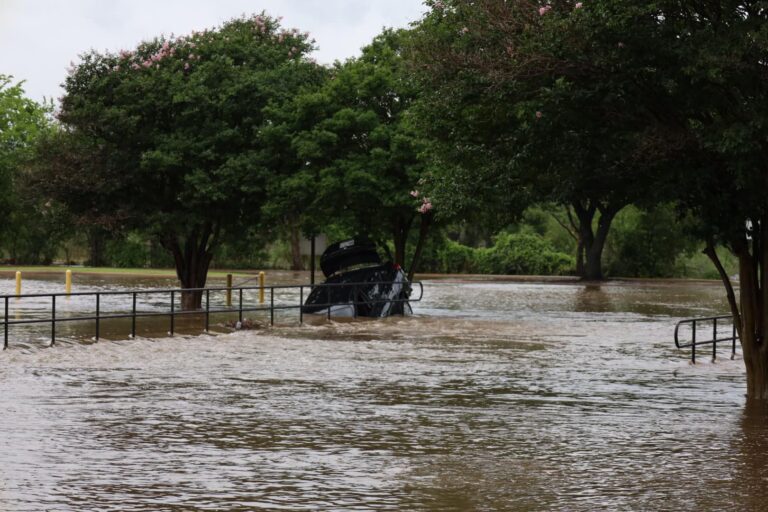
(159,272)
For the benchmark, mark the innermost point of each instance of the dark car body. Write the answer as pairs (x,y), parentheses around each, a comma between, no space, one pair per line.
(358,283)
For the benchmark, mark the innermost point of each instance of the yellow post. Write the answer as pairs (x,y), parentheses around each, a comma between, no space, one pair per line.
(18,283)
(68,282)
(229,290)
(261,287)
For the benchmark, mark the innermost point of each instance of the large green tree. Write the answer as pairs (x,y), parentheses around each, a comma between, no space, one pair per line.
(180,122)
(560,100)
(364,154)
(722,49)
(31,227)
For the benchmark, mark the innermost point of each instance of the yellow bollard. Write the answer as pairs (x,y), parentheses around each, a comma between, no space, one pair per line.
(18,283)
(229,290)
(261,287)
(68,282)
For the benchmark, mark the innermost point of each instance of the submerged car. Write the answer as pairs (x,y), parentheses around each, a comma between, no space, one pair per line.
(358,283)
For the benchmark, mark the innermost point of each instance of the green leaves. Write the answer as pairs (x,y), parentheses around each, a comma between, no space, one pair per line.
(187,120)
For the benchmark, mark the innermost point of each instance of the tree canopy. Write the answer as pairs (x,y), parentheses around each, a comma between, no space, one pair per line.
(561,101)
(180,123)
(364,154)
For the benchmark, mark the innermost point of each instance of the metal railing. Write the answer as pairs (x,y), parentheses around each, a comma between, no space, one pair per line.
(715,335)
(206,310)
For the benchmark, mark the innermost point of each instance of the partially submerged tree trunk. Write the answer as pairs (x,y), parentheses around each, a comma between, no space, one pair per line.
(750,311)
(592,241)
(400,232)
(192,257)
(424,225)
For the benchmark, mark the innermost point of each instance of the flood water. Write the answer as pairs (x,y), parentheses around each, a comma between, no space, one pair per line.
(493,396)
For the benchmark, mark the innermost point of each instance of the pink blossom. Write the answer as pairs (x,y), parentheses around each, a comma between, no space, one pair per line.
(539,115)
(578,5)
(464,30)
(439,5)
(414,193)
(186,66)
(544,10)
(620,45)
(135,66)
(294,49)
(426,206)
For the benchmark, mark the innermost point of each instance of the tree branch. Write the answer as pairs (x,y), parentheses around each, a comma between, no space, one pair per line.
(709,250)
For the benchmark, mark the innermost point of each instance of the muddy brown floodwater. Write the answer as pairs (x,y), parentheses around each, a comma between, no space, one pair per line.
(494,396)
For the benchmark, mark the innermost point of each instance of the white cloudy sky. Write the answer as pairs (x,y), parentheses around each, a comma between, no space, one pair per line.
(38,38)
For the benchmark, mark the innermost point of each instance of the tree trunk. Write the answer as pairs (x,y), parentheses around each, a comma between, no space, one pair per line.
(749,313)
(426,222)
(192,258)
(400,239)
(295,234)
(593,241)
(96,242)
(580,258)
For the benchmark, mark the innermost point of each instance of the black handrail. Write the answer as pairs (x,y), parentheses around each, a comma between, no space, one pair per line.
(693,343)
(240,309)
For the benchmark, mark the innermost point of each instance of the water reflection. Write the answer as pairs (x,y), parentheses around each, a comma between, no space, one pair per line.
(495,396)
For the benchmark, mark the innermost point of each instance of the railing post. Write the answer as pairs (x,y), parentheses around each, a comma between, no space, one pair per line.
(693,343)
(733,338)
(53,320)
(133,317)
(714,339)
(301,304)
(229,290)
(271,305)
(240,307)
(5,323)
(173,310)
(98,309)
(328,300)
(354,301)
(207,304)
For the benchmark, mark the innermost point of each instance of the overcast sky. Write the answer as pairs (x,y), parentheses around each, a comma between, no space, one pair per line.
(38,38)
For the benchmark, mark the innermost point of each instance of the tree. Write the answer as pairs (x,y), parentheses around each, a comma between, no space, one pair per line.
(364,153)
(560,100)
(179,121)
(722,48)
(293,202)
(22,122)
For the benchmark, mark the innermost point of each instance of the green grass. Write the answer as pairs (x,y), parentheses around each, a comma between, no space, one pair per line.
(159,272)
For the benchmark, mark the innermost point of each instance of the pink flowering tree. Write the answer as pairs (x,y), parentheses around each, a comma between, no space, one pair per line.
(180,121)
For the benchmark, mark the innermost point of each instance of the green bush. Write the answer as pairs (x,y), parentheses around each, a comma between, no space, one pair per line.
(522,254)
(648,243)
(128,252)
(455,258)
(518,253)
